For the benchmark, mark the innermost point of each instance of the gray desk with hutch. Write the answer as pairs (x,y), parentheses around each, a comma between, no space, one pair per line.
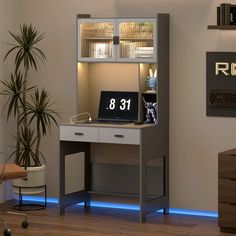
(118,159)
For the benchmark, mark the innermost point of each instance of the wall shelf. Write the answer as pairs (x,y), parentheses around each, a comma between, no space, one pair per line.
(221,27)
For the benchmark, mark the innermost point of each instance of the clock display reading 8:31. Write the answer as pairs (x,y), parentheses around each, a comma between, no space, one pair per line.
(121,104)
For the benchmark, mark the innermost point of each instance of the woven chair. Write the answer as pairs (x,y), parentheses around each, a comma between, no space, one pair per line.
(9,171)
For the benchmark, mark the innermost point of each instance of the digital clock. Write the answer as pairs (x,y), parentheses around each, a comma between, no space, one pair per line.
(122,104)
(118,105)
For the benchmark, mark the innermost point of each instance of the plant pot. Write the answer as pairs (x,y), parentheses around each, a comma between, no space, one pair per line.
(34,182)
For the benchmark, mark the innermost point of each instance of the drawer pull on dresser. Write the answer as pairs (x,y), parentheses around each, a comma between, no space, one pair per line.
(79,133)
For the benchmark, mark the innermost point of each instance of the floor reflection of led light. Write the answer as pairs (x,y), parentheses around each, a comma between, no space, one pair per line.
(128,207)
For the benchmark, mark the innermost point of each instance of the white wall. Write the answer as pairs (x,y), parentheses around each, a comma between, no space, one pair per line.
(9,16)
(195,139)
(9,19)
(57,19)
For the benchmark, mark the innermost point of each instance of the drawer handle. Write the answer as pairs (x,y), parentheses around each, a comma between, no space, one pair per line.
(119,136)
(79,133)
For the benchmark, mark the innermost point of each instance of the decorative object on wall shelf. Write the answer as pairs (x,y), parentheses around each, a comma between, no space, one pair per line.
(226,17)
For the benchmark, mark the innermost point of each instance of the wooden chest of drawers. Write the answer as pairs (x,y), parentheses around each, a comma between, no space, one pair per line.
(227,191)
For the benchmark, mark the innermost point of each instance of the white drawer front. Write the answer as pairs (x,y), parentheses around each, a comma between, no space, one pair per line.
(78,133)
(123,136)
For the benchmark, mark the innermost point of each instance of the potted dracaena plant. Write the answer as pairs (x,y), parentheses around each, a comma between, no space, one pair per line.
(31,108)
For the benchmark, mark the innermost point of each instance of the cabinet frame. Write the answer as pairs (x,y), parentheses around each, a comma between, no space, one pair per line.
(116,57)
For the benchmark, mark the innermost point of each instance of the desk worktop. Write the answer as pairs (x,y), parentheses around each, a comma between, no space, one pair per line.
(108,125)
(103,132)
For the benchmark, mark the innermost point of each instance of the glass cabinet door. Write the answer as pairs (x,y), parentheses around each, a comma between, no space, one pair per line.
(137,40)
(95,37)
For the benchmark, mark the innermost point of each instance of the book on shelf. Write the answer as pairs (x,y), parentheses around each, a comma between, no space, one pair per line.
(218,20)
(127,49)
(226,14)
(145,48)
(130,49)
(233,14)
(144,52)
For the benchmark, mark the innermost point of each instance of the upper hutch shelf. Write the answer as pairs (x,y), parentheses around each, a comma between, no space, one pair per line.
(117,40)
(221,27)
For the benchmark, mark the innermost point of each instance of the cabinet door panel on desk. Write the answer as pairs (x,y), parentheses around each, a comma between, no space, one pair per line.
(80,134)
(117,135)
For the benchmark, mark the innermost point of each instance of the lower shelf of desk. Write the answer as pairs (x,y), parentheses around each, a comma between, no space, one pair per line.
(120,197)
(108,199)
(121,179)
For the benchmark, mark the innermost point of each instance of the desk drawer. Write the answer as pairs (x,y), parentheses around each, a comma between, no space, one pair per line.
(227,166)
(227,215)
(78,133)
(122,136)
(227,190)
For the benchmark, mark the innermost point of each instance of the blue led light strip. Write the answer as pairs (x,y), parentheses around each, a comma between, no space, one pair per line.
(128,207)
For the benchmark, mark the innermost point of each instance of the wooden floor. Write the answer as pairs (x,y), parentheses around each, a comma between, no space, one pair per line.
(103,221)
